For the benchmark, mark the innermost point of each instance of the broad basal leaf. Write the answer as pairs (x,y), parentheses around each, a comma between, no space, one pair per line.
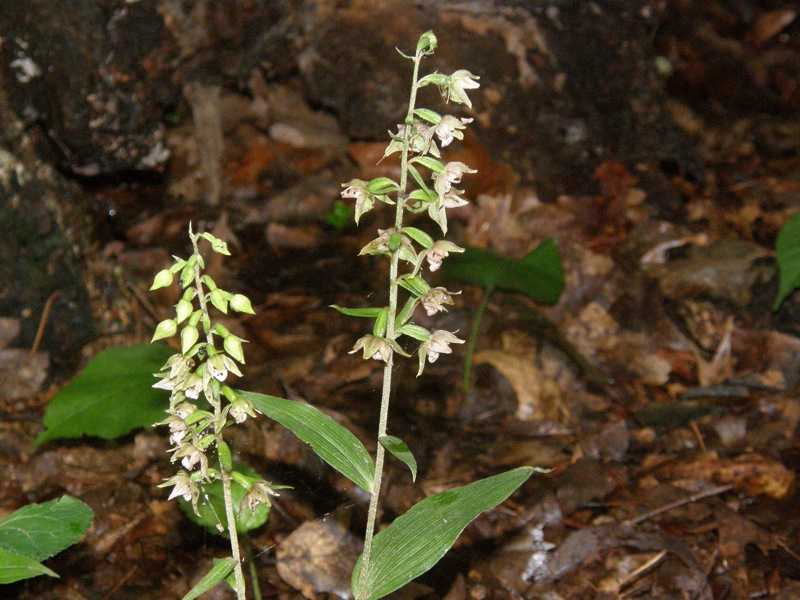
(39,531)
(415,542)
(111,396)
(333,443)
(539,274)
(787,253)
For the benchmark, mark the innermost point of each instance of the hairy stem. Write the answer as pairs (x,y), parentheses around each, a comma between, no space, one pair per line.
(390,334)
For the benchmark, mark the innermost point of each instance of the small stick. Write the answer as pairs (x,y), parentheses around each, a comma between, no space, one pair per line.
(42,322)
(716,491)
(633,575)
(698,436)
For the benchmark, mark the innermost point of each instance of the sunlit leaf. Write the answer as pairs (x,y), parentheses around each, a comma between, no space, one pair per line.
(416,541)
(332,442)
(15,567)
(111,396)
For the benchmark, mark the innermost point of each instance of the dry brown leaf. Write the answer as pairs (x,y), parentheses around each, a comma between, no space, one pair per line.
(538,397)
(752,473)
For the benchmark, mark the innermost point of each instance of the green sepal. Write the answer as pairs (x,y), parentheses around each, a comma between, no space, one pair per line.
(416,285)
(426,44)
(219,300)
(217,245)
(428,115)
(401,452)
(187,275)
(379,329)
(224,453)
(162,279)
(189,335)
(419,236)
(415,331)
(434,165)
(435,79)
(417,177)
(405,314)
(424,195)
(179,264)
(370,313)
(382,185)
(165,329)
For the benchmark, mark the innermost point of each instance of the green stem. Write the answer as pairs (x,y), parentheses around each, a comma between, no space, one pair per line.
(214,400)
(248,550)
(473,337)
(372,513)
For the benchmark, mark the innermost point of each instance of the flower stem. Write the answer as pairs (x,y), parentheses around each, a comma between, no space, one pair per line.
(390,334)
(215,402)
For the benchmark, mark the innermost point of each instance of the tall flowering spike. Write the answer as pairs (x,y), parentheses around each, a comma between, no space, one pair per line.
(195,434)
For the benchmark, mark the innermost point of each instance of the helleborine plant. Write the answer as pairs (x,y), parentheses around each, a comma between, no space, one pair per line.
(418,140)
(200,370)
(415,541)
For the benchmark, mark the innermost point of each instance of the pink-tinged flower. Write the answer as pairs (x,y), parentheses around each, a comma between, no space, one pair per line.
(440,250)
(452,173)
(357,189)
(183,486)
(449,128)
(376,347)
(459,81)
(438,343)
(190,455)
(383,245)
(258,493)
(435,300)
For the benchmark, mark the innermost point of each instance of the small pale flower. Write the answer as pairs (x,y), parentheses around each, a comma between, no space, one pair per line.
(377,348)
(459,81)
(183,486)
(452,173)
(435,300)
(449,128)
(357,188)
(193,386)
(258,493)
(190,455)
(440,250)
(383,245)
(240,409)
(220,364)
(438,343)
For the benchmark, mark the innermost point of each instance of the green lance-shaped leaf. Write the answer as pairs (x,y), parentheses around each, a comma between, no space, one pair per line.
(539,274)
(401,452)
(371,313)
(334,444)
(111,396)
(416,541)
(787,253)
(419,236)
(222,567)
